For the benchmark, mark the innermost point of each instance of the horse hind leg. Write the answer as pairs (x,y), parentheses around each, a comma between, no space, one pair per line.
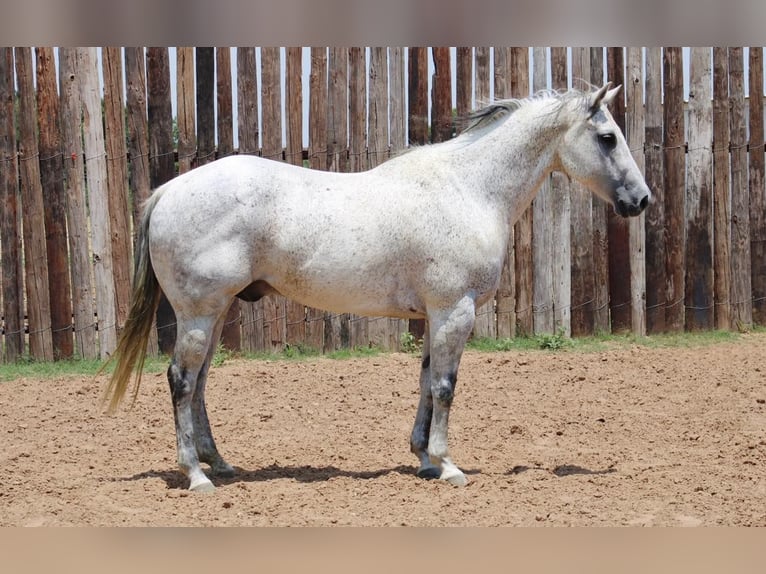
(192,346)
(203,437)
(422,427)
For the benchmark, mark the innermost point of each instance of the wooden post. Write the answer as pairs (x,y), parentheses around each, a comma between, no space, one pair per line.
(486,320)
(274,309)
(417,123)
(337,105)
(98,201)
(520,247)
(505,298)
(12,282)
(674,187)
(295,312)
(599,213)
(357,334)
(655,213)
(757,188)
(186,117)
(138,144)
(397,119)
(231,336)
(721,191)
(377,153)
(619,238)
(741,284)
(247,130)
(117,180)
(33,222)
(138,129)
(441,96)
(699,208)
(542,227)
(581,230)
(76,210)
(54,201)
(161,163)
(463,83)
(561,252)
(205,66)
(634,131)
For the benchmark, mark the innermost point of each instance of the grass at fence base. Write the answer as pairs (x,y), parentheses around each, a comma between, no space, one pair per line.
(556,342)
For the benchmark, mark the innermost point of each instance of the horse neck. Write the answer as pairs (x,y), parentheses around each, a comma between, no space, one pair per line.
(508,164)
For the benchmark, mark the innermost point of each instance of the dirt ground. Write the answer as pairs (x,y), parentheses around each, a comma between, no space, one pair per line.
(634,437)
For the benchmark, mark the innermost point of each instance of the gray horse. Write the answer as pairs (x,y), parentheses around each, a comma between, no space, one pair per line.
(423,235)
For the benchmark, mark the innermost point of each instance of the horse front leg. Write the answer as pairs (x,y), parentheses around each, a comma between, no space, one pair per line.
(422,427)
(449,331)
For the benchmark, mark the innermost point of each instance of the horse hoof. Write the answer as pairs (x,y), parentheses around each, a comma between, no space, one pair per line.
(429,473)
(454,477)
(202,486)
(224,470)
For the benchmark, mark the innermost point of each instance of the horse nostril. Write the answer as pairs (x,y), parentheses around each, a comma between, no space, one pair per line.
(644,202)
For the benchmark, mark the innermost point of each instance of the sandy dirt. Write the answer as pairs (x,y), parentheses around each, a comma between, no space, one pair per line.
(635,437)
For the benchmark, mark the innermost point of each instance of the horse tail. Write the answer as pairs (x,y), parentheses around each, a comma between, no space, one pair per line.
(131,346)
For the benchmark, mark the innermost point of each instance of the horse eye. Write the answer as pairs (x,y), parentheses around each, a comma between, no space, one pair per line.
(607,140)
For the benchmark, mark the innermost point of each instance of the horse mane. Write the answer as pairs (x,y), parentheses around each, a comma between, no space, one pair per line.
(498,111)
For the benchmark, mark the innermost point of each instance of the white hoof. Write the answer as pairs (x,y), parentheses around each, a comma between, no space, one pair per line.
(454,476)
(202,485)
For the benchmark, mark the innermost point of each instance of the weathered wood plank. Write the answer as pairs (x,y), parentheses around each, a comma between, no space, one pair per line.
(655,213)
(186,117)
(486,320)
(357,333)
(205,80)
(757,172)
(521,248)
(599,213)
(619,235)
(542,227)
(561,250)
(161,162)
(699,193)
(54,201)
(441,96)
(721,191)
(274,306)
(98,201)
(505,298)
(247,132)
(635,134)
(581,229)
(741,285)
(417,123)
(231,335)
(76,207)
(10,239)
(337,326)
(33,221)
(138,144)
(674,187)
(397,121)
(295,313)
(117,180)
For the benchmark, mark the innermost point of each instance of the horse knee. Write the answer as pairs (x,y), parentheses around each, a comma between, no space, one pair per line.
(444,389)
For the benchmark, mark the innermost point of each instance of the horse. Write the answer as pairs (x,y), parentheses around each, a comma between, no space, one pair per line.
(421,236)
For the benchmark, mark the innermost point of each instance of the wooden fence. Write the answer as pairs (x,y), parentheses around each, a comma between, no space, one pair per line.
(77,158)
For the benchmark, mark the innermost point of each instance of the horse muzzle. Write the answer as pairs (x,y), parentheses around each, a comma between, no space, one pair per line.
(632,206)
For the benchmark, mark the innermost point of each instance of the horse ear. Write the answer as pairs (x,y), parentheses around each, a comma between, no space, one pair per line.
(604,95)
(610,95)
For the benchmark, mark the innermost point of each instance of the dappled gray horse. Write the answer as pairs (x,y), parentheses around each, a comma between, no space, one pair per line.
(423,235)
